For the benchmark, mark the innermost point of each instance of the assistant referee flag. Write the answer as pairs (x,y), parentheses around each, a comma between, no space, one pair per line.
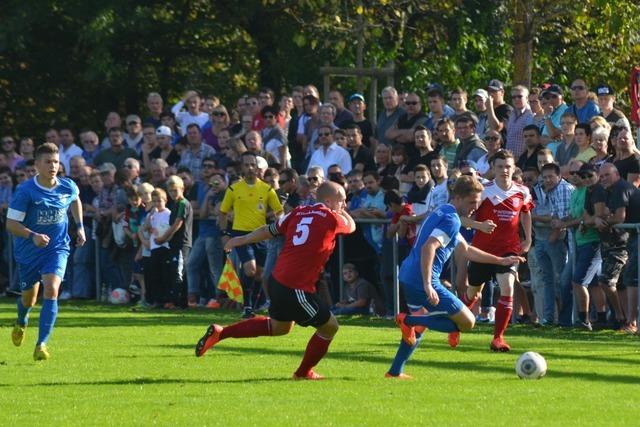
(230,283)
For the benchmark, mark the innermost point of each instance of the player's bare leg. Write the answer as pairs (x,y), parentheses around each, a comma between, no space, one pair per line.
(469,299)
(504,308)
(316,349)
(25,303)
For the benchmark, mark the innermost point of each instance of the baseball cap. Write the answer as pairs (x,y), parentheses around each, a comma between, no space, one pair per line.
(552,90)
(107,167)
(482,94)
(495,85)
(356,96)
(164,131)
(604,89)
(587,168)
(262,163)
(133,118)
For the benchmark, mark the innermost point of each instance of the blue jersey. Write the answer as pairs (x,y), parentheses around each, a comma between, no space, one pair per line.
(444,225)
(44,211)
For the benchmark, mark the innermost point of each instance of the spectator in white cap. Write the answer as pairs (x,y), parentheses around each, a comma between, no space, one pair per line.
(164,149)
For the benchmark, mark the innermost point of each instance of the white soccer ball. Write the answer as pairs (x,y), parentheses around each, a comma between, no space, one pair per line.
(531,366)
(119,296)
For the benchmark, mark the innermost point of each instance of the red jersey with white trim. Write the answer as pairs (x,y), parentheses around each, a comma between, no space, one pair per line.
(503,207)
(310,236)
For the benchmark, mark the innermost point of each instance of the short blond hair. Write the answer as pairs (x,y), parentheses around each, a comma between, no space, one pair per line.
(144,188)
(175,181)
(160,193)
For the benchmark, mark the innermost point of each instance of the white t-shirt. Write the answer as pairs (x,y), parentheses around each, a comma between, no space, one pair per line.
(159,225)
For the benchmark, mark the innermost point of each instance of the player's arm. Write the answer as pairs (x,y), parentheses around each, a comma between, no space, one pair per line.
(476,255)
(351,224)
(525,221)
(18,229)
(263,233)
(76,213)
(427,255)
(486,226)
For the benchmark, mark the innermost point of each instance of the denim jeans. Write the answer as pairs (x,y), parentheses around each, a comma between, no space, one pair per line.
(84,272)
(205,250)
(552,259)
(109,271)
(565,316)
(274,246)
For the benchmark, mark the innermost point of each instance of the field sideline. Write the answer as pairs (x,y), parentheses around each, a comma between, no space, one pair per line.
(110,366)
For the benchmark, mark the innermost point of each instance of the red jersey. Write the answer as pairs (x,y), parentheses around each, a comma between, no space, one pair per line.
(407,209)
(310,236)
(503,208)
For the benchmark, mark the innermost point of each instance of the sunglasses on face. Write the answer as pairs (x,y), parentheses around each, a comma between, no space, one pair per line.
(324,133)
(517,96)
(313,178)
(577,87)
(218,113)
(491,138)
(411,102)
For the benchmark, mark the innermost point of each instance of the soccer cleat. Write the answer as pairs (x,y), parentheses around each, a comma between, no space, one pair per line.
(17,334)
(209,339)
(400,376)
(454,339)
(584,325)
(41,352)
(408,332)
(311,375)
(247,313)
(499,344)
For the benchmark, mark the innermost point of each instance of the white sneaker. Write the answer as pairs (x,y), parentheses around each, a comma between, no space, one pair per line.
(64,296)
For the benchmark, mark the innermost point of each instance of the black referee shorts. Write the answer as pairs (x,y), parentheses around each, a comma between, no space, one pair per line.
(288,304)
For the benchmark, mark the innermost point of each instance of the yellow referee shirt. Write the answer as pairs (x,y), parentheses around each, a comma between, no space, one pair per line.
(249,204)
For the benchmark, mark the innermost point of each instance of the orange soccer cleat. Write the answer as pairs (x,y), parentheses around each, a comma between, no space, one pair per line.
(209,339)
(408,332)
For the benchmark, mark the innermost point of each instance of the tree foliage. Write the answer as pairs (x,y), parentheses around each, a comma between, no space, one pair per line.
(68,61)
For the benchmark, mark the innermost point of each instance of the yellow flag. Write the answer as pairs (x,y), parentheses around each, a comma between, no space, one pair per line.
(230,283)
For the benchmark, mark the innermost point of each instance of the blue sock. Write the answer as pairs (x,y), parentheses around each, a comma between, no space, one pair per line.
(402,355)
(47,319)
(435,322)
(23,313)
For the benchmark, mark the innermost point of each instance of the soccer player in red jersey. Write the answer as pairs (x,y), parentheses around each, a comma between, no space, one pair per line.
(310,233)
(507,204)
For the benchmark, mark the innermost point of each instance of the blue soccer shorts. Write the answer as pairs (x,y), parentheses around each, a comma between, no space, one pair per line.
(53,263)
(416,298)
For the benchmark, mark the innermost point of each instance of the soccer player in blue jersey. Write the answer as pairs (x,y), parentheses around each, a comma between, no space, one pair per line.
(37,217)
(419,274)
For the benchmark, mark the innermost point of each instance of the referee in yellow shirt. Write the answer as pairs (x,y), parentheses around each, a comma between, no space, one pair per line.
(249,200)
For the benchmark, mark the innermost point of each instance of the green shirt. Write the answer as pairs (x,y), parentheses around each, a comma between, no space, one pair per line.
(577,209)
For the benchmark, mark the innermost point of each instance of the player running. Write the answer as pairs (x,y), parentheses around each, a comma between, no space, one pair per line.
(309,233)
(37,217)
(507,204)
(420,273)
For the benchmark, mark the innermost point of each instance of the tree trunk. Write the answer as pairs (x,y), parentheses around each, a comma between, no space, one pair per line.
(523,24)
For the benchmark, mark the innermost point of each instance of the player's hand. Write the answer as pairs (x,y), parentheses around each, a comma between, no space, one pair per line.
(487,226)
(432,295)
(511,260)
(40,240)
(82,238)
(525,246)
(230,242)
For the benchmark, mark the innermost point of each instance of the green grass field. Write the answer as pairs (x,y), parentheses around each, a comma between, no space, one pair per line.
(111,366)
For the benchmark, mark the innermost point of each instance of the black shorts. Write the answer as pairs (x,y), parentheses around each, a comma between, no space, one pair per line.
(482,273)
(288,304)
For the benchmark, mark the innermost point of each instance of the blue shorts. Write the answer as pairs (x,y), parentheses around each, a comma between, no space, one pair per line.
(254,251)
(417,298)
(30,274)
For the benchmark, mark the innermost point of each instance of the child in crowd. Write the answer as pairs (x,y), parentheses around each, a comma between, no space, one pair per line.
(422,185)
(143,256)
(358,293)
(157,224)
(134,215)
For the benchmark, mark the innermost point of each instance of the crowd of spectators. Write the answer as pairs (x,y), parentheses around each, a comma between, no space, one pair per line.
(152,187)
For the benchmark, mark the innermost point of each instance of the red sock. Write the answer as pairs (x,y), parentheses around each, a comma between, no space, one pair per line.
(503,315)
(469,303)
(255,327)
(316,349)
